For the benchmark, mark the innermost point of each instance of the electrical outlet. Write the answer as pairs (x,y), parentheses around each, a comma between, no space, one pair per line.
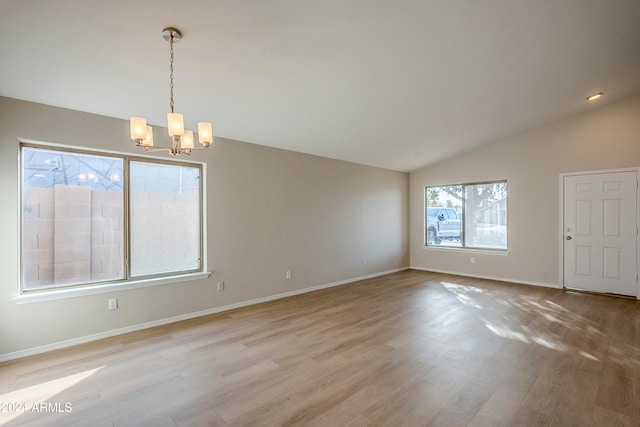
(473,260)
(364,261)
(113,303)
(287,274)
(220,286)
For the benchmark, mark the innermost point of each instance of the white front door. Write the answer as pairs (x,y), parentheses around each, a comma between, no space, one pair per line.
(600,232)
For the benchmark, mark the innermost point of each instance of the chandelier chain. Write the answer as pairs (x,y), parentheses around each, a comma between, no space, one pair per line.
(171,71)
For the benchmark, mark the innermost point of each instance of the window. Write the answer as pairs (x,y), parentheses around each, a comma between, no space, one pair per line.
(165,218)
(467,216)
(93,218)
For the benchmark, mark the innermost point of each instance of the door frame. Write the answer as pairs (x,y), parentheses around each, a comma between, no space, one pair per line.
(561,222)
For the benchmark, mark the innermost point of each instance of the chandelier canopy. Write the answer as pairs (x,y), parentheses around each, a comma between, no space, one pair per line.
(181,139)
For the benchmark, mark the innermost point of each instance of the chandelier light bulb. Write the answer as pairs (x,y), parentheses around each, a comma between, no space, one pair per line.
(205,133)
(186,141)
(148,140)
(138,127)
(175,124)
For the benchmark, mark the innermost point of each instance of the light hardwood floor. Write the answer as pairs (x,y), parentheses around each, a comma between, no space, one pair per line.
(407,349)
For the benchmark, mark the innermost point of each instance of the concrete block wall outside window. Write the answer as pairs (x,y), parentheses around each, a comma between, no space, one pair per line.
(81,242)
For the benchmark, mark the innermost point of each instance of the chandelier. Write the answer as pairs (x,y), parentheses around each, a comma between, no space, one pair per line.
(181,139)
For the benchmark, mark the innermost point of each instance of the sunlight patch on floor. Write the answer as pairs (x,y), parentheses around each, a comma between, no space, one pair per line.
(589,356)
(27,397)
(461,292)
(539,334)
(503,332)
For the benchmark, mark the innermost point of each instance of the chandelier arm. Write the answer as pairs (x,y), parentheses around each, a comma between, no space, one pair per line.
(152,149)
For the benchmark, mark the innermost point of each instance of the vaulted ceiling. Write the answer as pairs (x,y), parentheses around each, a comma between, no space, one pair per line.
(396,84)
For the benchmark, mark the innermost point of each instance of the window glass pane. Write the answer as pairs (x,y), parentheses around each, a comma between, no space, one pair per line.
(443,227)
(165,218)
(486,215)
(72,218)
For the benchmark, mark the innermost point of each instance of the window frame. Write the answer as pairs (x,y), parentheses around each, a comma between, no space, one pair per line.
(463,247)
(129,221)
(127,281)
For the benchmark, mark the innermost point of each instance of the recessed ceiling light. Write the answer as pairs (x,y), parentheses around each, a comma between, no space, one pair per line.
(594,96)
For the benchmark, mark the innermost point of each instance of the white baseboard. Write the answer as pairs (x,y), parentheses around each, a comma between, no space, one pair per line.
(500,279)
(107,334)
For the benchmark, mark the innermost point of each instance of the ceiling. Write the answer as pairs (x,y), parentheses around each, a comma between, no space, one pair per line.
(396,84)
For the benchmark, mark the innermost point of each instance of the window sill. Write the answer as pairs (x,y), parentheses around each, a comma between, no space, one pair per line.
(499,252)
(101,289)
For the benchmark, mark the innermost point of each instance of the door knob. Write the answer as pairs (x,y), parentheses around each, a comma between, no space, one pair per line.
(568,237)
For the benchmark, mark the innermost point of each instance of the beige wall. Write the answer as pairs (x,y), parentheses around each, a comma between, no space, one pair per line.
(269,210)
(607,137)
